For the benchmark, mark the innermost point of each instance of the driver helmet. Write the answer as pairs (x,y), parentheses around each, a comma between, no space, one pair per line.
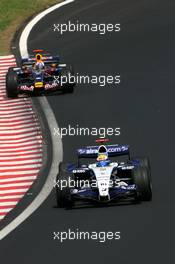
(39,64)
(102,158)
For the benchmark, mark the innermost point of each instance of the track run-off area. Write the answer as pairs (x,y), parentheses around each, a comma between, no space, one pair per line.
(20,144)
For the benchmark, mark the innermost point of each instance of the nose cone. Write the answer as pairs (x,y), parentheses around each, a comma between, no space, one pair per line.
(103,186)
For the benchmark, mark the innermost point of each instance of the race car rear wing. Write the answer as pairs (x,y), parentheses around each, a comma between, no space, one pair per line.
(113,151)
(46,59)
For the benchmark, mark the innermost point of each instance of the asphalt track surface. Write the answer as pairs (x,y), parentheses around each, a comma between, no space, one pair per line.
(143,106)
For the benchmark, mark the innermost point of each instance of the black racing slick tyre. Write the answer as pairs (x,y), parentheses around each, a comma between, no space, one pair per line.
(62,168)
(11,84)
(68,75)
(63,195)
(144,162)
(141,177)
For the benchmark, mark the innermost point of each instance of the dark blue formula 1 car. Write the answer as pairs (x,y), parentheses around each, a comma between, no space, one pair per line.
(103,180)
(39,74)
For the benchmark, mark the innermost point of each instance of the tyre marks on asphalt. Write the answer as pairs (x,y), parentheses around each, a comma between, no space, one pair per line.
(20,144)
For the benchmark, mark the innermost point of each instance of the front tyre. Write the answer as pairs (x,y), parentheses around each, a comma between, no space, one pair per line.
(11,84)
(143,162)
(141,177)
(63,195)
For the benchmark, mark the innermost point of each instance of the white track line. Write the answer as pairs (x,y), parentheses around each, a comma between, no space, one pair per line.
(16,185)
(18,179)
(22,190)
(7,203)
(23,157)
(27,152)
(57,141)
(5,210)
(16,127)
(17,173)
(39,138)
(19,162)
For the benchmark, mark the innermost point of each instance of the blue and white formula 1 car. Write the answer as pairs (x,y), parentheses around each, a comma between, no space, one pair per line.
(103,180)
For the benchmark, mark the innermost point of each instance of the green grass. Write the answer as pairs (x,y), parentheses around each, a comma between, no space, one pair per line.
(13,13)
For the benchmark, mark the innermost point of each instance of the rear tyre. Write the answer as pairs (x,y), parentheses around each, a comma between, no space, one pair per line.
(142,178)
(63,195)
(68,87)
(11,84)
